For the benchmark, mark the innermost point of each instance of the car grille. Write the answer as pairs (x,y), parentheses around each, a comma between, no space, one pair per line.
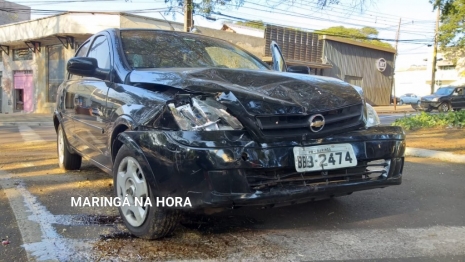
(336,121)
(289,177)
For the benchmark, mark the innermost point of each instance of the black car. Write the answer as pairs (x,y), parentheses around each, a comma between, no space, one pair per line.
(446,98)
(194,123)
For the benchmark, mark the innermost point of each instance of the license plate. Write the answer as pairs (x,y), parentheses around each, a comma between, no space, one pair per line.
(325,157)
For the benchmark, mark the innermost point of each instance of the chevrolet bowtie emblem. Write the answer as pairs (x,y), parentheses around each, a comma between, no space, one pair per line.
(317,122)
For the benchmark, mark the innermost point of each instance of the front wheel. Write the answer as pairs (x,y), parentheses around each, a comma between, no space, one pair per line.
(66,159)
(444,107)
(144,221)
(401,102)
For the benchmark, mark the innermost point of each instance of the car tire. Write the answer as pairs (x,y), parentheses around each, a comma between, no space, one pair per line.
(66,159)
(444,107)
(129,179)
(429,109)
(401,102)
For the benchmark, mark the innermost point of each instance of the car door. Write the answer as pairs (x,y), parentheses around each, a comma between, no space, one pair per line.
(279,64)
(407,99)
(66,101)
(457,99)
(461,98)
(91,121)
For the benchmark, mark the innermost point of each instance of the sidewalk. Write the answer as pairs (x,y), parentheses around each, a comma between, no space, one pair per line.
(16,119)
(390,109)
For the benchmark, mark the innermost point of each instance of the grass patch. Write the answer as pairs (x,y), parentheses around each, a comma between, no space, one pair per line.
(450,119)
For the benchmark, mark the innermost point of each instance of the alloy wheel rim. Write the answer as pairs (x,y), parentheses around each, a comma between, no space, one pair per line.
(444,107)
(131,184)
(61,146)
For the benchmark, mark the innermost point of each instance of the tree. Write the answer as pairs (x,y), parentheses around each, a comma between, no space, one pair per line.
(451,38)
(452,22)
(365,34)
(253,23)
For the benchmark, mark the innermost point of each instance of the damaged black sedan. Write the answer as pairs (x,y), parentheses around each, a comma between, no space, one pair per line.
(178,116)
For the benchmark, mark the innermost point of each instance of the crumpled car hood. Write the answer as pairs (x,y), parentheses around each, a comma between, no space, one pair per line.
(260,92)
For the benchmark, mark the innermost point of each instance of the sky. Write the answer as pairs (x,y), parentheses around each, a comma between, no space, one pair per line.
(416,30)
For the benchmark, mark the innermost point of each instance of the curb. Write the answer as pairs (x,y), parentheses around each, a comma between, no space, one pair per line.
(445,156)
(26,123)
(395,111)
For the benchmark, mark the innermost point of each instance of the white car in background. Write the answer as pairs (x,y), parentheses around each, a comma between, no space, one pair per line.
(409,98)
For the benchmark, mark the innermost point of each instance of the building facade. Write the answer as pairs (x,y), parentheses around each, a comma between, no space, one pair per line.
(417,79)
(368,66)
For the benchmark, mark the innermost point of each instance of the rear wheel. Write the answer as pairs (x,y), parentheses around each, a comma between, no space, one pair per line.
(444,107)
(401,102)
(66,159)
(144,221)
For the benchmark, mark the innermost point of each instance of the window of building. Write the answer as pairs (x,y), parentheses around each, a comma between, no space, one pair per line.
(100,51)
(56,70)
(448,67)
(22,54)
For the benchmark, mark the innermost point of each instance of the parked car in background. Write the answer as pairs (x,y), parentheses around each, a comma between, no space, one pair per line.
(392,100)
(179,115)
(409,98)
(446,98)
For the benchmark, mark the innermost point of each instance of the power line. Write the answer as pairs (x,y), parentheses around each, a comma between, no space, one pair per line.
(411,41)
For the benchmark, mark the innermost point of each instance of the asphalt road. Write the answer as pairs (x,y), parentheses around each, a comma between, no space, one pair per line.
(388,119)
(422,219)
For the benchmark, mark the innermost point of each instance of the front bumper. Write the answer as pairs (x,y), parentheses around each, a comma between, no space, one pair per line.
(425,105)
(222,169)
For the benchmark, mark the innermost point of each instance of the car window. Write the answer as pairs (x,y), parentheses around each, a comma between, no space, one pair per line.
(223,57)
(100,51)
(155,49)
(83,49)
(444,91)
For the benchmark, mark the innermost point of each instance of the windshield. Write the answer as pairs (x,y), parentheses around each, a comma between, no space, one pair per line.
(445,91)
(159,49)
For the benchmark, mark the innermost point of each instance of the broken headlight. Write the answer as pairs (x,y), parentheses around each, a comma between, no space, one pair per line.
(204,115)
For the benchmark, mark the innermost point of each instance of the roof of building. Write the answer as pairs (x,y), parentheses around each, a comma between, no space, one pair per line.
(244,30)
(78,25)
(357,43)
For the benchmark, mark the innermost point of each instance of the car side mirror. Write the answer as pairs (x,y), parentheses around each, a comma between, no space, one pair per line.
(299,69)
(86,66)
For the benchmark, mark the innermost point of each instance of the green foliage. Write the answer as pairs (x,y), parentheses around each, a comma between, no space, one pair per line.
(364,35)
(452,22)
(450,119)
(253,23)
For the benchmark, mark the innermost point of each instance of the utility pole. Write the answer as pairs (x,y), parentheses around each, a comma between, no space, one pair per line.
(435,51)
(188,22)
(393,84)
